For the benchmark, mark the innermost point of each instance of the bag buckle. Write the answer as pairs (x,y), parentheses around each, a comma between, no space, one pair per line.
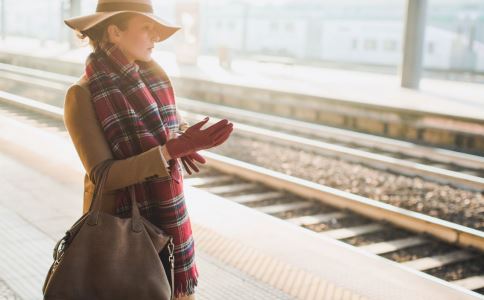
(171,248)
(59,248)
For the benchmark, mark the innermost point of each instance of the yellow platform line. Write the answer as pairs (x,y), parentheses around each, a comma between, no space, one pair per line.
(287,278)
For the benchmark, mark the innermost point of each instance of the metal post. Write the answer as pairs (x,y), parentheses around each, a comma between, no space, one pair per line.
(187,42)
(245,28)
(74,10)
(3,22)
(413,43)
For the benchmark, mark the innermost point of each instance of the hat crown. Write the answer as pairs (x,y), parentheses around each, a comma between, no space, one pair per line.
(108,8)
(119,5)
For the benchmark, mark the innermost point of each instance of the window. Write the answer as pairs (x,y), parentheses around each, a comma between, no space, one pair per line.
(370,44)
(354,44)
(390,45)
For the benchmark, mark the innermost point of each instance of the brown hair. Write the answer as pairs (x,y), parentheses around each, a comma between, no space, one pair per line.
(98,34)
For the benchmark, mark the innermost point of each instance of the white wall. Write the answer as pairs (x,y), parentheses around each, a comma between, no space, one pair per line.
(277,35)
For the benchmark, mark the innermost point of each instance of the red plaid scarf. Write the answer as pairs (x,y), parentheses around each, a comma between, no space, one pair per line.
(135,105)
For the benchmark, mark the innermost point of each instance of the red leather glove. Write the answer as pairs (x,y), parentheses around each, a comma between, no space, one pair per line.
(188,162)
(194,139)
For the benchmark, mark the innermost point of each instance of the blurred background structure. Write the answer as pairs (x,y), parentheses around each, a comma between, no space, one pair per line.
(365,35)
(356,165)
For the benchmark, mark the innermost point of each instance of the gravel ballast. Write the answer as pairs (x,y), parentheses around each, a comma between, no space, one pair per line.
(413,193)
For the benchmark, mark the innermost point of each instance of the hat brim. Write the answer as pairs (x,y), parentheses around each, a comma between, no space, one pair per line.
(87,22)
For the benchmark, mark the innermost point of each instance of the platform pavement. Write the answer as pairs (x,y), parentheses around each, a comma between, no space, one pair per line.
(34,212)
(453,98)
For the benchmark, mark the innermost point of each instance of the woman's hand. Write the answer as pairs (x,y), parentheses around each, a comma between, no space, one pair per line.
(195,139)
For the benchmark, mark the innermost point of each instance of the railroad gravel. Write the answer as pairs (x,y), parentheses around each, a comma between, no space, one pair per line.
(442,201)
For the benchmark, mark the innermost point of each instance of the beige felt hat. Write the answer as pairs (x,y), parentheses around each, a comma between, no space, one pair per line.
(108,8)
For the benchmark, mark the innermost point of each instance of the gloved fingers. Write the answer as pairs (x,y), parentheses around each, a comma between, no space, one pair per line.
(222,137)
(185,166)
(221,131)
(216,127)
(192,165)
(198,125)
(198,157)
(191,141)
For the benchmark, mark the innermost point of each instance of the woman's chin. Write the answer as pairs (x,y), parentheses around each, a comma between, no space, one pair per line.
(147,58)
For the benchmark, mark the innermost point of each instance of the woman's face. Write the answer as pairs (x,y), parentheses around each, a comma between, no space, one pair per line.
(137,41)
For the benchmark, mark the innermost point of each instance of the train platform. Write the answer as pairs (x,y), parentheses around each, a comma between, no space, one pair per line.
(242,253)
(450,98)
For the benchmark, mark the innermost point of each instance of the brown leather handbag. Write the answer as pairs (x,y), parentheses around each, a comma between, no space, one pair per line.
(105,257)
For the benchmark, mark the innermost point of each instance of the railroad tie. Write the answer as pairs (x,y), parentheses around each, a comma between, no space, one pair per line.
(230,188)
(199,181)
(471,283)
(280,208)
(344,233)
(427,263)
(394,245)
(315,219)
(255,197)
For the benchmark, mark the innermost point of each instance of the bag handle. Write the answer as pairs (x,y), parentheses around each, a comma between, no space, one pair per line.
(98,176)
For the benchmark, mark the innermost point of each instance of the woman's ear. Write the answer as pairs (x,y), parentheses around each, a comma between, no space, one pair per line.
(113,33)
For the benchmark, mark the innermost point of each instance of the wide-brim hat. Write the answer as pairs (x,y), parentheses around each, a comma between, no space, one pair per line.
(108,8)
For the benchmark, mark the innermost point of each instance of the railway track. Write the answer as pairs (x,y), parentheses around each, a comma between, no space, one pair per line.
(456,169)
(446,250)
(380,229)
(461,170)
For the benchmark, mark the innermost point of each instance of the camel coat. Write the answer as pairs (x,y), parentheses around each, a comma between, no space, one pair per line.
(88,138)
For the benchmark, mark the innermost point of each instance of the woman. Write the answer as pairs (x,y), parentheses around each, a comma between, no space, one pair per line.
(123,107)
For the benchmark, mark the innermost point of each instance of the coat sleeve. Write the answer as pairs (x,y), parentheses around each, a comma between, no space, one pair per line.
(88,138)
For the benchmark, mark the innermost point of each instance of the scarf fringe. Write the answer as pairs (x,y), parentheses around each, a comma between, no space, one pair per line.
(186,288)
